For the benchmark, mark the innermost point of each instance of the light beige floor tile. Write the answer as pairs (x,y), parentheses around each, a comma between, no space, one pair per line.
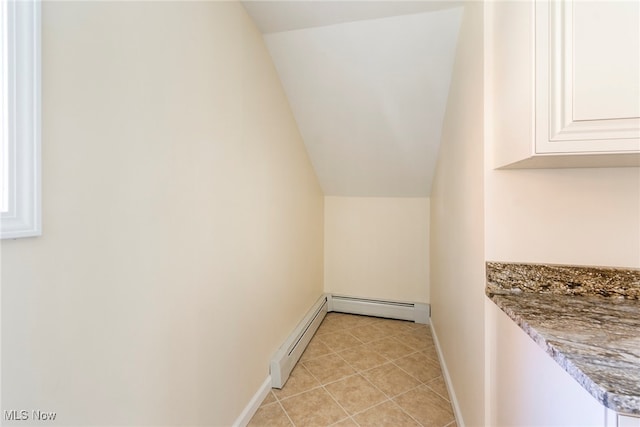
(270,415)
(390,348)
(421,331)
(300,380)
(347,422)
(351,321)
(439,386)
(378,320)
(395,327)
(419,366)
(355,394)
(338,341)
(331,323)
(426,407)
(386,414)
(270,398)
(422,326)
(431,353)
(391,380)
(415,341)
(327,328)
(329,368)
(368,333)
(363,358)
(316,348)
(313,408)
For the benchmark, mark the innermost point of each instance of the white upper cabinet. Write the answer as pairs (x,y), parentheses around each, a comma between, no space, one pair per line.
(564,83)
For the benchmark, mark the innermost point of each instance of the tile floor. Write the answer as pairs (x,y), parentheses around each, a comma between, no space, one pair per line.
(362,371)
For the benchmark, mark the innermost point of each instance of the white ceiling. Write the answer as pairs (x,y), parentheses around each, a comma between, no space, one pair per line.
(369,95)
(275,16)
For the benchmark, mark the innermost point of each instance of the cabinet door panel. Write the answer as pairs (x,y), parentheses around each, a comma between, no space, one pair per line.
(606,60)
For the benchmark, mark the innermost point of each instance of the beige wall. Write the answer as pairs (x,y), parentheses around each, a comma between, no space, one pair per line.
(377,247)
(179,210)
(564,216)
(457,245)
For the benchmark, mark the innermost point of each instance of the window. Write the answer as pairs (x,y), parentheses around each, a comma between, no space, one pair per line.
(20,118)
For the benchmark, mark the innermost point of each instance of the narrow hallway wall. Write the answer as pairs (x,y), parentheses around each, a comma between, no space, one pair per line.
(457,226)
(182,219)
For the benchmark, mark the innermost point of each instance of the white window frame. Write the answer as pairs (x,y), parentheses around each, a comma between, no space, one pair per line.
(20,61)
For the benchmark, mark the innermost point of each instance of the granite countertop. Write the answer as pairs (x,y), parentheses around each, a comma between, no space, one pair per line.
(595,338)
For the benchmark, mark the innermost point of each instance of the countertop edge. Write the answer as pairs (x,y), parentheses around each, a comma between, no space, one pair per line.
(606,398)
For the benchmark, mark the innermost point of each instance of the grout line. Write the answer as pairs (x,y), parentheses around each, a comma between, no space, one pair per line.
(347,362)
(298,394)
(323,385)
(387,360)
(346,348)
(413,376)
(432,389)
(406,345)
(337,403)
(341,420)
(286,413)
(408,414)
(408,391)
(408,373)
(387,398)
(268,404)
(316,357)
(371,407)
(403,410)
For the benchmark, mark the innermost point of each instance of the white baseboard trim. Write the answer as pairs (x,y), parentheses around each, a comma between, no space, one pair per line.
(447,380)
(415,312)
(249,411)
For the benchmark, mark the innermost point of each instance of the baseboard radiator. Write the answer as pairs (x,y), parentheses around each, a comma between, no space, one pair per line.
(415,312)
(288,355)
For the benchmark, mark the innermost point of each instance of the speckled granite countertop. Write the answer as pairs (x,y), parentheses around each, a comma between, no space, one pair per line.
(595,338)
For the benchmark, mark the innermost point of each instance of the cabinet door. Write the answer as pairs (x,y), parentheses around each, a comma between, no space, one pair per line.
(587,76)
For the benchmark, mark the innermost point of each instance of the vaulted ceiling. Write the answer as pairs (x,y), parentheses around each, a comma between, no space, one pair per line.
(367,82)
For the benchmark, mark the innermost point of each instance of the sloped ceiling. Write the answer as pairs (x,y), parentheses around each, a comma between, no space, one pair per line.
(368,83)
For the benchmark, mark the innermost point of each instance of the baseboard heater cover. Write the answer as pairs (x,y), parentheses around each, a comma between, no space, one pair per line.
(415,312)
(288,355)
